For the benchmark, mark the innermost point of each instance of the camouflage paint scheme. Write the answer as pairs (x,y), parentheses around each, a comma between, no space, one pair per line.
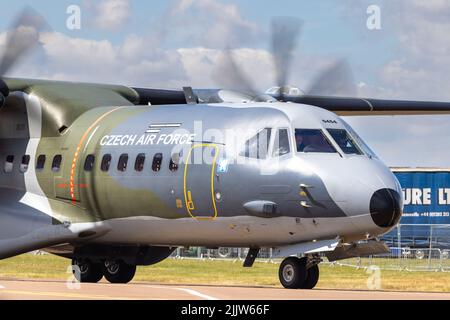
(311,197)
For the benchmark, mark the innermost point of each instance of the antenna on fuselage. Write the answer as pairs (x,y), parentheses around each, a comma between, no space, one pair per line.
(189,95)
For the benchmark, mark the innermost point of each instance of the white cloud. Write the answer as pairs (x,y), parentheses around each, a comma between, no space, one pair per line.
(134,61)
(414,141)
(421,63)
(139,61)
(112,14)
(211,23)
(142,60)
(418,70)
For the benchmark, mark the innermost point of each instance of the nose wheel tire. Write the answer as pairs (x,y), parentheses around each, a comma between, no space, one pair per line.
(292,272)
(85,271)
(312,277)
(117,271)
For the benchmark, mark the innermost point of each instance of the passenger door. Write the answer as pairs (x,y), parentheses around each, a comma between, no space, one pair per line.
(201,181)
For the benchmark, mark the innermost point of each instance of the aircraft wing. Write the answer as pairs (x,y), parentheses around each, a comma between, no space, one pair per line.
(372,107)
(82,95)
(63,102)
(73,96)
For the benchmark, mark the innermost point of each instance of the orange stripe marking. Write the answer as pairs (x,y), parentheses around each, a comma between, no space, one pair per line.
(66,185)
(80,144)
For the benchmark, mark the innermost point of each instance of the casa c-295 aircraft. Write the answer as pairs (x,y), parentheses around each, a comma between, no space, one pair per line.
(114,177)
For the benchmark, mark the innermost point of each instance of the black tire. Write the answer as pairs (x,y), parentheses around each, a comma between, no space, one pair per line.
(312,277)
(292,272)
(85,271)
(118,271)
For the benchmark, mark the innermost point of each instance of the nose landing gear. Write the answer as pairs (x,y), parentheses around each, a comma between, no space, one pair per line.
(299,273)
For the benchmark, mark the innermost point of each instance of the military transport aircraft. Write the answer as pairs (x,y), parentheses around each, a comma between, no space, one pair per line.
(113,177)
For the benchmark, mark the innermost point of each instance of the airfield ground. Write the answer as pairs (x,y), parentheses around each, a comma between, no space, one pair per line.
(229,273)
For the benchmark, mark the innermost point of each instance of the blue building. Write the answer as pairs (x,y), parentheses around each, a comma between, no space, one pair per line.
(426,217)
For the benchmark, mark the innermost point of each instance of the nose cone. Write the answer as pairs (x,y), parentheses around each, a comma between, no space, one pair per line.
(386,207)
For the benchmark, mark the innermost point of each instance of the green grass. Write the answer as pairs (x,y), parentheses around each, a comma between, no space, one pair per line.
(215,272)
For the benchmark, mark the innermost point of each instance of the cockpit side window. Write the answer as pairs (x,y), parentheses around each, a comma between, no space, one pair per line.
(345,141)
(281,143)
(258,145)
(313,140)
(359,140)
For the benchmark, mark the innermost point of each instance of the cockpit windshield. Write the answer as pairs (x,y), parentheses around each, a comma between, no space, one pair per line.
(359,141)
(312,140)
(344,141)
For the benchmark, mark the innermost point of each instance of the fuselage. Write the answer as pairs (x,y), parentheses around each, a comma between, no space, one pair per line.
(209,175)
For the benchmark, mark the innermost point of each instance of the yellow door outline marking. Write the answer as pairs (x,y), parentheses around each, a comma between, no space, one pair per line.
(187,193)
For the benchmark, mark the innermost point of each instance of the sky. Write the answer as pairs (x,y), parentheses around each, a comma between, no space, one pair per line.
(175,43)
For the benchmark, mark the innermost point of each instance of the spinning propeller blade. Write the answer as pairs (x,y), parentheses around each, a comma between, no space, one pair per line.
(335,80)
(22,37)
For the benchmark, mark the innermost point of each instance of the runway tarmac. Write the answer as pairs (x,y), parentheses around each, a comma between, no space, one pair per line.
(60,290)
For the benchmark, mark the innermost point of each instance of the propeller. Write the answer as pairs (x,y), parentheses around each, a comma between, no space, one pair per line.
(285,33)
(335,80)
(22,37)
(229,75)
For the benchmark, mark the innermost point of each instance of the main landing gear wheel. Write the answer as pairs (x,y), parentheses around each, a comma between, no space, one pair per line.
(292,272)
(86,271)
(312,277)
(295,274)
(117,271)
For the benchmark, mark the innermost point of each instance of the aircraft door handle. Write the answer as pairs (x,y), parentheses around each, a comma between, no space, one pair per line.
(305,204)
(190,203)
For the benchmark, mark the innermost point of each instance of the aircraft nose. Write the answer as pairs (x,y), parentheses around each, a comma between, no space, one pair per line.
(386,207)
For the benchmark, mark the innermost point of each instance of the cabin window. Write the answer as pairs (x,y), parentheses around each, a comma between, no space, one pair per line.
(24,164)
(9,164)
(89,162)
(345,141)
(139,163)
(281,144)
(123,162)
(40,164)
(106,162)
(174,161)
(258,146)
(56,163)
(313,140)
(157,160)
